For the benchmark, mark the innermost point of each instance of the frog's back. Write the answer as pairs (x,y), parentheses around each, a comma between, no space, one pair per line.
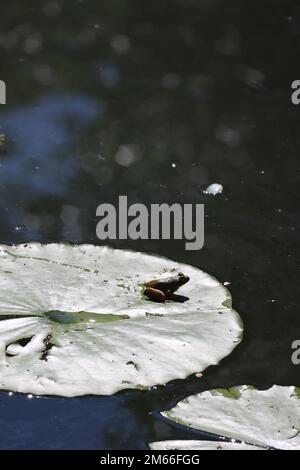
(166,286)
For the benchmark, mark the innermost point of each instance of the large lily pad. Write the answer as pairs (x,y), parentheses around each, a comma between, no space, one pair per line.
(75,321)
(267,419)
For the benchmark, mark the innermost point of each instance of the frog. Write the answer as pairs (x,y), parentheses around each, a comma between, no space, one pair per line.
(160,290)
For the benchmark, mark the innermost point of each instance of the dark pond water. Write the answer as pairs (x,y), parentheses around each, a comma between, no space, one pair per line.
(102,98)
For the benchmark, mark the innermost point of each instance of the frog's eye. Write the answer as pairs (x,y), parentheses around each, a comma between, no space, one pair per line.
(180,274)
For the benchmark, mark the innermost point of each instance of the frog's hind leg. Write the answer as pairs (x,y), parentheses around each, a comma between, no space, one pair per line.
(155,294)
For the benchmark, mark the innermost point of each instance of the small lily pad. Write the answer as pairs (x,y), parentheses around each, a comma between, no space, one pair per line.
(75,321)
(200,445)
(267,419)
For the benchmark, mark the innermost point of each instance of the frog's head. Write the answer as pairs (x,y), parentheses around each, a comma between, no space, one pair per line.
(182,279)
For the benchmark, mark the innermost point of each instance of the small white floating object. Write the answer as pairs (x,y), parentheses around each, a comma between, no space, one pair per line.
(214,189)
